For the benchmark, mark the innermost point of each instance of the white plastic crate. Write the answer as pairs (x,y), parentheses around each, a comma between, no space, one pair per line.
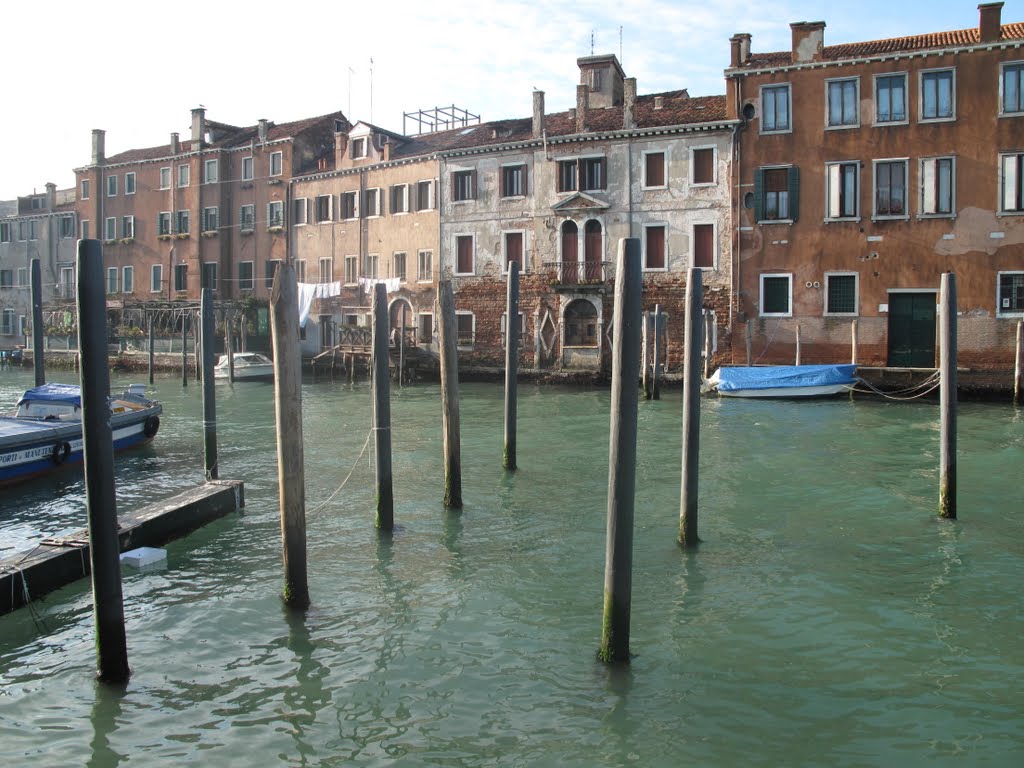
(143,556)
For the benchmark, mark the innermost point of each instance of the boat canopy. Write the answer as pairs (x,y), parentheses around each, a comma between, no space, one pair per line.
(778,376)
(70,394)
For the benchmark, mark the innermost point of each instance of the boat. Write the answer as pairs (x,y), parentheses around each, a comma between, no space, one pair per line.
(45,431)
(781,380)
(248,365)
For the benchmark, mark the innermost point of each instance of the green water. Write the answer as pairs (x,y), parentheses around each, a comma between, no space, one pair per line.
(828,617)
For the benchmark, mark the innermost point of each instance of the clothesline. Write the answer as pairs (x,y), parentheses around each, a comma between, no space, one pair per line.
(310,291)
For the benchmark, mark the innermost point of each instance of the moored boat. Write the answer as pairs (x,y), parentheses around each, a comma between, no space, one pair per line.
(248,365)
(781,380)
(45,432)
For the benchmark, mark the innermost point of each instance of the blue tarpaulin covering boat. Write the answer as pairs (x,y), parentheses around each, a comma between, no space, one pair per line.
(782,380)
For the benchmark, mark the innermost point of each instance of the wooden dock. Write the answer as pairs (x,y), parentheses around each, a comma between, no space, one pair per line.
(56,562)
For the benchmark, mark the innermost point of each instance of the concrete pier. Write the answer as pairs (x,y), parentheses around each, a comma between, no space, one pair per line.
(57,562)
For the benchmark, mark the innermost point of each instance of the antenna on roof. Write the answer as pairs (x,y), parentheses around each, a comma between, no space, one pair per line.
(591,42)
(371,89)
(620,45)
(350,73)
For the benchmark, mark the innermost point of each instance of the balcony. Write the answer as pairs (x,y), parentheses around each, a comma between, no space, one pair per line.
(580,277)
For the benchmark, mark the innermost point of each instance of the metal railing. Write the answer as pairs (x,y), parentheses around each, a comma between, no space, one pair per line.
(580,272)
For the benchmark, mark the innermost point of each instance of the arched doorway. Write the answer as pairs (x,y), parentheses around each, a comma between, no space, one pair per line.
(400,316)
(593,251)
(570,252)
(581,324)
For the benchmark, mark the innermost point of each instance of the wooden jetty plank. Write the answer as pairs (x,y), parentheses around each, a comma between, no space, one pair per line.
(58,562)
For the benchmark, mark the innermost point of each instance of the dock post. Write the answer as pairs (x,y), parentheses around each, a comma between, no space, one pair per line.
(98,450)
(184,350)
(691,410)
(291,481)
(197,333)
(750,341)
(382,409)
(38,355)
(798,344)
(947,396)
(448,342)
(645,355)
(853,341)
(209,397)
(511,366)
(151,361)
(401,350)
(705,321)
(228,350)
(1018,366)
(618,558)
(658,349)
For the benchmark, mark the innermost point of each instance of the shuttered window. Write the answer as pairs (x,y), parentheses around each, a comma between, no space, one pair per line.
(654,256)
(704,245)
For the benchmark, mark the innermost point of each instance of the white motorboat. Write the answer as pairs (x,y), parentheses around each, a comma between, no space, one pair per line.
(248,366)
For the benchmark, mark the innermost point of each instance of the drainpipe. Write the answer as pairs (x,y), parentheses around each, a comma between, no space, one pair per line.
(737,235)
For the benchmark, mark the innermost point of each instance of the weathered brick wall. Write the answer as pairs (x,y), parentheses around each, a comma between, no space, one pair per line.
(670,292)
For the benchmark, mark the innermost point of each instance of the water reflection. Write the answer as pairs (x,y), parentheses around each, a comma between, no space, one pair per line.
(106,710)
(307,696)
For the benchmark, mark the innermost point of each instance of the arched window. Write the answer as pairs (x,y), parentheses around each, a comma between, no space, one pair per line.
(593,250)
(580,324)
(570,252)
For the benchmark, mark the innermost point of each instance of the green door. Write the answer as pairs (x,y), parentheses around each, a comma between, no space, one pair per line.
(912,330)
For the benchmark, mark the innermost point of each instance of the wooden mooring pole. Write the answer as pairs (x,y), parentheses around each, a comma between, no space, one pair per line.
(448,342)
(618,563)
(382,409)
(38,355)
(797,361)
(228,350)
(184,350)
(209,395)
(706,321)
(291,481)
(1018,366)
(750,341)
(656,364)
(947,396)
(691,410)
(508,459)
(98,450)
(853,342)
(646,382)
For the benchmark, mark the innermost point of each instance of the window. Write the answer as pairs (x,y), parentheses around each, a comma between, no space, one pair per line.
(424,266)
(326,269)
(275,214)
(358,149)
(840,293)
(247,168)
(6,278)
(776,295)
(398,266)
(842,191)
(586,174)
(463,185)
(702,165)
(522,330)
(156,278)
(937,186)
(211,172)
(165,178)
(85,228)
(1011,180)
(654,247)
(110,228)
(776,193)
(513,244)
(85,189)
(247,218)
(654,170)
(182,221)
(705,252)
(371,202)
(66,287)
(129,183)
(111,186)
(128,280)
(29,229)
(843,102)
(1011,293)
(181,277)
(465,327)
(7,324)
(210,219)
(299,210)
(245,276)
(1012,88)
(373,266)
(567,176)
(276,163)
(426,328)
(400,198)
(323,208)
(351,270)
(513,180)
(111,279)
(127,226)
(208,277)
(67,226)
(464,254)
(891,98)
(424,195)
(775,109)
(23,277)
(5,232)
(938,95)
(183,174)
(270,267)
(349,202)
(891,188)
(300,271)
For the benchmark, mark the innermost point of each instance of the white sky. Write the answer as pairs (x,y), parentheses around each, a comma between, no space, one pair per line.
(70,66)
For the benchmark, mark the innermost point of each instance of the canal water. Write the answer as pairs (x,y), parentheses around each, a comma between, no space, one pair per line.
(828,617)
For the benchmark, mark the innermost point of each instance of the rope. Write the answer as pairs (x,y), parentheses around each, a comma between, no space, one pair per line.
(330,498)
(925,387)
(768,343)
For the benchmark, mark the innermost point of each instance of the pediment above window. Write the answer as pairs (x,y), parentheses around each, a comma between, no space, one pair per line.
(579,201)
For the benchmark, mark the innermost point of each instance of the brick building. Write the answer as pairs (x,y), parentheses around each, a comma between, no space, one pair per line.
(864,171)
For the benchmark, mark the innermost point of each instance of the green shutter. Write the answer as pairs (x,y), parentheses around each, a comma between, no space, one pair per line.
(759,194)
(794,193)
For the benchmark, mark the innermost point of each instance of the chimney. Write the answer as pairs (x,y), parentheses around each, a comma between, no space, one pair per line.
(740,44)
(582,91)
(340,149)
(198,127)
(538,114)
(175,144)
(628,103)
(659,102)
(990,26)
(808,40)
(51,195)
(387,149)
(262,130)
(98,146)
